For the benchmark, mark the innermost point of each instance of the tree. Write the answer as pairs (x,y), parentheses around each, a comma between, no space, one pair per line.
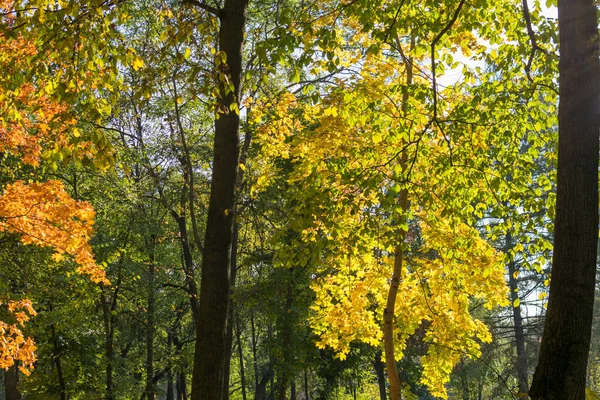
(561,369)
(35,124)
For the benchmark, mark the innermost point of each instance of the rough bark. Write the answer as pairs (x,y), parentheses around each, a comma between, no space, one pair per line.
(210,351)
(561,370)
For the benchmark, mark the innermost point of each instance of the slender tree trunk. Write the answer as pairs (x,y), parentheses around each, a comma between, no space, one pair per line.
(388,313)
(254,359)
(210,351)
(521,362)
(11,389)
(306,385)
(109,341)
(56,358)
(229,341)
(238,337)
(464,380)
(181,387)
(170,391)
(150,329)
(380,370)
(293,390)
(561,370)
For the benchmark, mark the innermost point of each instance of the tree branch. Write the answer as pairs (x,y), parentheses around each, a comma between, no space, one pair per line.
(215,11)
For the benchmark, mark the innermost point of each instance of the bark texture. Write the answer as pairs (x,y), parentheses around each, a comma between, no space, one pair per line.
(210,351)
(560,374)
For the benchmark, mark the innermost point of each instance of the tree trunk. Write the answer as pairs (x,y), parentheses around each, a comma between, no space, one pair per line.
(210,351)
(238,337)
(306,385)
(57,363)
(230,316)
(388,313)
(561,370)
(254,358)
(109,349)
(293,390)
(150,330)
(181,387)
(11,390)
(379,369)
(521,362)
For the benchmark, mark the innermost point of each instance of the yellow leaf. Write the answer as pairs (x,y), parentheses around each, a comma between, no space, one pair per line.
(517,303)
(57,257)
(377,138)
(138,63)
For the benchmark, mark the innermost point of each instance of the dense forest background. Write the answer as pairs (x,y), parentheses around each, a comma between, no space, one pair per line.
(339,199)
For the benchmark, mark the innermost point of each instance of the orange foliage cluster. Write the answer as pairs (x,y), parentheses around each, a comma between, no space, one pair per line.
(45,215)
(13,344)
(30,116)
(34,120)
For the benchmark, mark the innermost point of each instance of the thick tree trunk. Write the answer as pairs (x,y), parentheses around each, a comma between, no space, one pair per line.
(561,370)
(210,352)
(379,369)
(11,390)
(521,362)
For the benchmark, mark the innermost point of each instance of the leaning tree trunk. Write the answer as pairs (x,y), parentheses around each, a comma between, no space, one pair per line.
(560,374)
(210,352)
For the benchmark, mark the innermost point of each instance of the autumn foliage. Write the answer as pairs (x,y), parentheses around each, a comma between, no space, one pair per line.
(40,213)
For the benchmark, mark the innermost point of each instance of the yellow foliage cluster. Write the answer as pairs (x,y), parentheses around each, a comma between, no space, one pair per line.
(14,346)
(348,303)
(439,284)
(354,135)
